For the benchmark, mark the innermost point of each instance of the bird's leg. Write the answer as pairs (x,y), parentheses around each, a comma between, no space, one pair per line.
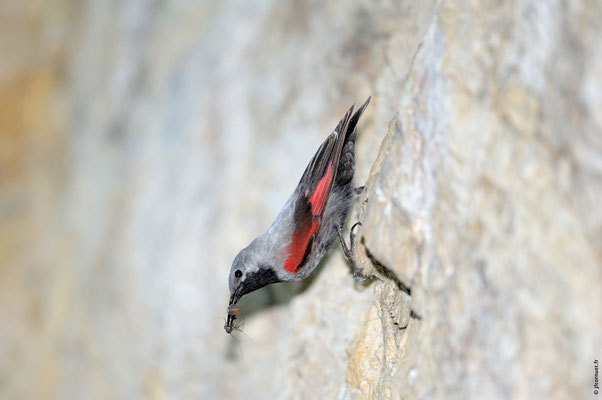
(357,273)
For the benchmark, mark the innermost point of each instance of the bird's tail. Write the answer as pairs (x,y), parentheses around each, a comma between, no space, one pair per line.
(347,159)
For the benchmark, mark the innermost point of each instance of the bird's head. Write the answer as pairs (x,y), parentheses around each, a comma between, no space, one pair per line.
(251,270)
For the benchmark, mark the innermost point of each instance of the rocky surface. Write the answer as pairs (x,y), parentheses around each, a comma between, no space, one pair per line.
(144,143)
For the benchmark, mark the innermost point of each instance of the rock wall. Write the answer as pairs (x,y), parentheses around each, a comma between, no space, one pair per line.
(144,143)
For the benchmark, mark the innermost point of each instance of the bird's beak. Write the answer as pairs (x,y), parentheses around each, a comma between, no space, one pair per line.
(229,323)
(234,297)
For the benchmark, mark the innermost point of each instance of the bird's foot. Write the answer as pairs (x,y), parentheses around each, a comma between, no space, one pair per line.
(358,275)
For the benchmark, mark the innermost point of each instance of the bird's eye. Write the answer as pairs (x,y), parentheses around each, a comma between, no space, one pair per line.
(237,273)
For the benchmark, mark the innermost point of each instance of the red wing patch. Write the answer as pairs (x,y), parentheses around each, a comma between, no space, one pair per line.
(299,249)
(302,239)
(320,193)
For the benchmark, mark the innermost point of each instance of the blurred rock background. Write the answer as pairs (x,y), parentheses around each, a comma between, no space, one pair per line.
(143,143)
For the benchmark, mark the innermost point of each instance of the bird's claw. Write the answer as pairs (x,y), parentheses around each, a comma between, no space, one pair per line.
(358,190)
(358,275)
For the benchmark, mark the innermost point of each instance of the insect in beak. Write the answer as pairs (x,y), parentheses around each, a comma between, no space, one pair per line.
(233,310)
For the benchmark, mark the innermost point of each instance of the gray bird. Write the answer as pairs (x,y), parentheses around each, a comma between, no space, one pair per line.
(307,225)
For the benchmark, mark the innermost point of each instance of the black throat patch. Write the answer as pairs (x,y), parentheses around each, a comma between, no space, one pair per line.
(258,279)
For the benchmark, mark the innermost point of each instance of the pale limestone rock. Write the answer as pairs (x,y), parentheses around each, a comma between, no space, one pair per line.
(143,144)
(483,172)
